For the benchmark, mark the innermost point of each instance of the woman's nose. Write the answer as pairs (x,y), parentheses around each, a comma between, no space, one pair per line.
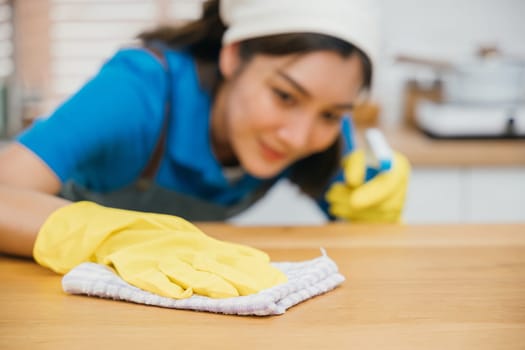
(296,132)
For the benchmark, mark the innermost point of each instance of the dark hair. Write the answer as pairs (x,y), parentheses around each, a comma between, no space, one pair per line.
(202,38)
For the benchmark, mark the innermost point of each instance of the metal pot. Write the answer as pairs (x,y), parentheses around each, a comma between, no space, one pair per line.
(487,80)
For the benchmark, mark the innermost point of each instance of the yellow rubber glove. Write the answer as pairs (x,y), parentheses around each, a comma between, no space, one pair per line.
(159,253)
(380,199)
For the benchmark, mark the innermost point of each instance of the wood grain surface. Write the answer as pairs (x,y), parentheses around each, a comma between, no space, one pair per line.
(408,287)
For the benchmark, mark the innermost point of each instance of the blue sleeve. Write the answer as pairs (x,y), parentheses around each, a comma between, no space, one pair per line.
(347,134)
(103,135)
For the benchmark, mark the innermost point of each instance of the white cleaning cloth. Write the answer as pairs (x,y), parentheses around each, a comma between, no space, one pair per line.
(306,279)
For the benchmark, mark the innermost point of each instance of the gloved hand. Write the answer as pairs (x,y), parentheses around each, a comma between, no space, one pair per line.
(380,199)
(159,253)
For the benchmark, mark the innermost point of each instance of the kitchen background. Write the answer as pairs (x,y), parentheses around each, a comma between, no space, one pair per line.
(48,48)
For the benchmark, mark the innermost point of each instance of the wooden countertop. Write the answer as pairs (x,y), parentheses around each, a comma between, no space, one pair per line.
(408,287)
(423,150)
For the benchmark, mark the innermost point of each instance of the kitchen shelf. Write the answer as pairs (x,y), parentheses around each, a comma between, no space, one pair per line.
(423,150)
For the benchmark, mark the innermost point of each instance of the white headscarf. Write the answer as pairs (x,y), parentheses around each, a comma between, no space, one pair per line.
(355,21)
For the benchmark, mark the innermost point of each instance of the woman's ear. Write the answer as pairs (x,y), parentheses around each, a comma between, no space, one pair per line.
(229,60)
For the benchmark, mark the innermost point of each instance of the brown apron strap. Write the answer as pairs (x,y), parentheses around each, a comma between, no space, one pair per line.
(147,175)
(154,162)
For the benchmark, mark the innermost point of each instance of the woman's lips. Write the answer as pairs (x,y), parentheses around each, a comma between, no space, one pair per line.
(270,153)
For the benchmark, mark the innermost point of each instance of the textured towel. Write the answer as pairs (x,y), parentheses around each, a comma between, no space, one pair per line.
(306,279)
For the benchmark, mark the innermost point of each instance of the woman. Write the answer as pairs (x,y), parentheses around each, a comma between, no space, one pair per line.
(201,122)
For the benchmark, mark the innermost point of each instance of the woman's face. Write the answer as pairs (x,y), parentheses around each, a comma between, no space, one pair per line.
(275,110)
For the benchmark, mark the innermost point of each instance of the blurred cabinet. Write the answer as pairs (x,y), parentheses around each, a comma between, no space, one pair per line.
(284,204)
(435,195)
(466,194)
(495,195)
(440,195)
(458,180)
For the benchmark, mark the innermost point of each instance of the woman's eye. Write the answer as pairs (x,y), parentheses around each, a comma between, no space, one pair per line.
(283,96)
(332,117)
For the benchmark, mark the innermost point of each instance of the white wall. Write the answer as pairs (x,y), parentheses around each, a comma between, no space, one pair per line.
(284,204)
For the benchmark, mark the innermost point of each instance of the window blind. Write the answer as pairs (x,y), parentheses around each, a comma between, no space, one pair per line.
(6,60)
(84,33)
(6,39)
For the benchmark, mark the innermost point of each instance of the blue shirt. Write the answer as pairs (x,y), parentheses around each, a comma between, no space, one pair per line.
(103,136)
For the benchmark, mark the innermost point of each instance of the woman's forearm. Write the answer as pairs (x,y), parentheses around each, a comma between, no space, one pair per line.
(22,213)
